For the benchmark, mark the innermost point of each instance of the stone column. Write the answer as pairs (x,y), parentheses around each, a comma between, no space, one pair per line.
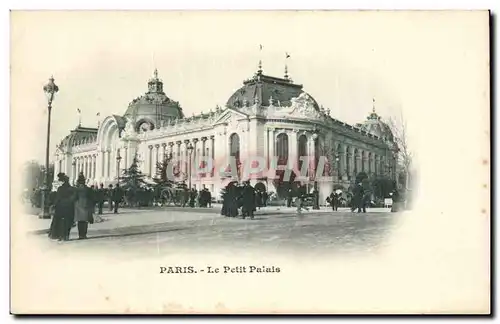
(271,142)
(212,153)
(178,157)
(364,161)
(108,164)
(164,151)
(186,158)
(292,148)
(73,170)
(94,170)
(157,158)
(195,150)
(171,149)
(90,167)
(203,152)
(150,160)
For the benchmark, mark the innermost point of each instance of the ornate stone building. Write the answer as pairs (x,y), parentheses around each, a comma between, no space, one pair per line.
(266,117)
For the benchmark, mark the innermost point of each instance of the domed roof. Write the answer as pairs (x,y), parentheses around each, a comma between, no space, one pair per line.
(375,126)
(154,106)
(80,135)
(265,90)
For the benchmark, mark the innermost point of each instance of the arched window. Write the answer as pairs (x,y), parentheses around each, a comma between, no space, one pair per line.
(282,148)
(234,146)
(375,157)
(302,148)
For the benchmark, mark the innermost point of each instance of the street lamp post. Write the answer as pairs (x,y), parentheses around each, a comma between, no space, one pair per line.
(190,151)
(118,160)
(50,90)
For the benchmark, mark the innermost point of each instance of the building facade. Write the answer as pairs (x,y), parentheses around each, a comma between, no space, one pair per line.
(266,117)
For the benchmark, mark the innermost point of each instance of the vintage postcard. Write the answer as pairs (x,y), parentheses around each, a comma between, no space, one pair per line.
(250,162)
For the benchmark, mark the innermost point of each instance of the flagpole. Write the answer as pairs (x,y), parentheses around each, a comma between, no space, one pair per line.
(79,117)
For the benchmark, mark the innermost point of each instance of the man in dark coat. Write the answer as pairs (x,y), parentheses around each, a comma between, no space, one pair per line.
(100,197)
(334,200)
(248,196)
(315,195)
(62,221)
(289,198)
(117,197)
(192,197)
(84,207)
(110,197)
(357,199)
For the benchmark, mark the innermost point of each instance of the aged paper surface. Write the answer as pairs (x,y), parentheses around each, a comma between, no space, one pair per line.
(430,67)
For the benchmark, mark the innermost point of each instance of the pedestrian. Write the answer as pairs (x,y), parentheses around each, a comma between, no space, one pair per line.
(248,196)
(192,197)
(289,198)
(84,207)
(117,197)
(101,196)
(299,203)
(62,221)
(110,197)
(315,198)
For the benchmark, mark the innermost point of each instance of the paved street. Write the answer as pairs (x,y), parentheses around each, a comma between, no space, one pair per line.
(151,232)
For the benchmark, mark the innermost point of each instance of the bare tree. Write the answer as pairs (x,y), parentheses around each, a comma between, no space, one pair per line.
(399,130)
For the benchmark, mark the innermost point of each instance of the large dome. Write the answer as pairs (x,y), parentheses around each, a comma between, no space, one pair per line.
(264,89)
(154,107)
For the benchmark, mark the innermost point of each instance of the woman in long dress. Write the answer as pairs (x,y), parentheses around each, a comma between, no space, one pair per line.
(84,207)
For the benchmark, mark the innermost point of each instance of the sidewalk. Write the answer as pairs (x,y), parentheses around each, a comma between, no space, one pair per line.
(134,218)
(124,219)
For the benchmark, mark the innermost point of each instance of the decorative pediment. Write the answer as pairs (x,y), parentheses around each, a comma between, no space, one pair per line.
(230,116)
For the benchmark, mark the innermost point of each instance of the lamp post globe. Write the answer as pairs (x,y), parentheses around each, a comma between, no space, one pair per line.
(50,90)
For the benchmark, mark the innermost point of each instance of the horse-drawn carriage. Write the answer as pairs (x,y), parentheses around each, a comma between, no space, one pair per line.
(173,195)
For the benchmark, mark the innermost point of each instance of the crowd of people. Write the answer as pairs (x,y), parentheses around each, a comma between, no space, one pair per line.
(243,196)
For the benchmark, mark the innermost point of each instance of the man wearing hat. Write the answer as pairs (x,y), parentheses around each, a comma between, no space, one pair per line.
(84,206)
(62,221)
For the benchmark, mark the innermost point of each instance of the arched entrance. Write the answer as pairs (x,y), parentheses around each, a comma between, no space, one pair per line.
(284,178)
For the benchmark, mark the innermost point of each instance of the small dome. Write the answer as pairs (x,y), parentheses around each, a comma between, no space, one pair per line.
(266,90)
(78,136)
(154,107)
(375,126)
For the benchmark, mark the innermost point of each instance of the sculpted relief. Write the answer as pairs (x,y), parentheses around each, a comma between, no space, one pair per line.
(302,107)
(129,131)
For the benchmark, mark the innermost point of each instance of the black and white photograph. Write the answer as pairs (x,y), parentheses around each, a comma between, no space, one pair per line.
(250,162)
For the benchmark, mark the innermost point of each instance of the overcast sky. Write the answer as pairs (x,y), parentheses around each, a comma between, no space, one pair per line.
(102,60)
